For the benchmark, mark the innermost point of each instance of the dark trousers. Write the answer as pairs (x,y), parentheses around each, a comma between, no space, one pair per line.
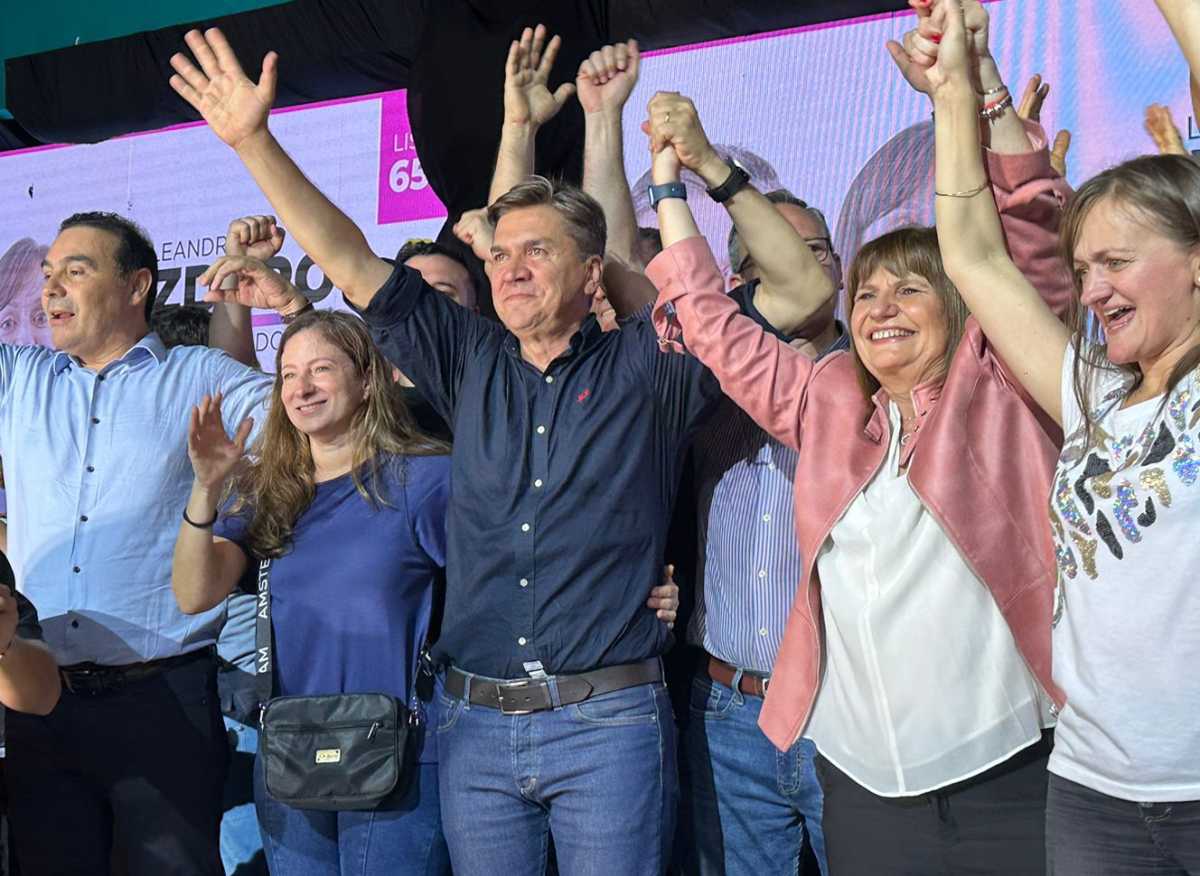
(993,823)
(133,775)
(1092,834)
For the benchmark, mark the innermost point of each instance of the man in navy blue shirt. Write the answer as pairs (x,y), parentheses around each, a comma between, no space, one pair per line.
(568,444)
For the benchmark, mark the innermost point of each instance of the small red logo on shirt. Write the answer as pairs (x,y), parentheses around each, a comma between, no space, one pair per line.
(583,396)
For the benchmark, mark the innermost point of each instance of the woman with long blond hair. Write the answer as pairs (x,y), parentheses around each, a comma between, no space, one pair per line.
(348,501)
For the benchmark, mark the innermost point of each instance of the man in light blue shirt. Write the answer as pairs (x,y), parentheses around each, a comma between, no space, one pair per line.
(94,439)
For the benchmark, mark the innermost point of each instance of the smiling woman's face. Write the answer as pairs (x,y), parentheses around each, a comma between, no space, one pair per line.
(22,318)
(898,325)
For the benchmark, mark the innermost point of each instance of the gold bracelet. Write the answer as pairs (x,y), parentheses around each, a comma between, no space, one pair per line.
(969,193)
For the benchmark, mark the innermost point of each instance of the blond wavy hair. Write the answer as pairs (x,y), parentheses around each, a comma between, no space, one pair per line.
(276,485)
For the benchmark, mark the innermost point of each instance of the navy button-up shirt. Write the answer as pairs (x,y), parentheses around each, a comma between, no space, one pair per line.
(562,481)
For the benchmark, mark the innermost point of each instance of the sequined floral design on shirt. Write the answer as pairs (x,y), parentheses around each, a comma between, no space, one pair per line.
(1105,496)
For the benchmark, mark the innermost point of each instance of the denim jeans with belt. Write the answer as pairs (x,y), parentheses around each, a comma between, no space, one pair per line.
(750,808)
(597,775)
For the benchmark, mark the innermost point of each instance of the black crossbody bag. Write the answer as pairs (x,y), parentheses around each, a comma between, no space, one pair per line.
(331,752)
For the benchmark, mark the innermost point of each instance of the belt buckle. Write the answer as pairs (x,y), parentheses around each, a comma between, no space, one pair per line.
(764,684)
(517,685)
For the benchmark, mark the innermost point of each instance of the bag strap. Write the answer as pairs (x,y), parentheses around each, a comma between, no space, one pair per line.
(264,666)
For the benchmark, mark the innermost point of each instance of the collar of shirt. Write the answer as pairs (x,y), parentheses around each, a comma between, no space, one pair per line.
(586,337)
(150,345)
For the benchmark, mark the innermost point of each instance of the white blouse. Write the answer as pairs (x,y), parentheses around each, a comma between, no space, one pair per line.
(923,684)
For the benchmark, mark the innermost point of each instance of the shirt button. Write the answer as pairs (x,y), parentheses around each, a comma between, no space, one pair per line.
(95,420)
(75,569)
(524,582)
(91,468)
(538,482)
(541,430)
(524,527)
(83,518)
(521,641)
(763,631)
(100,377)
(75,624)
(549,378)
(766,518)
(762,573)
(771,466)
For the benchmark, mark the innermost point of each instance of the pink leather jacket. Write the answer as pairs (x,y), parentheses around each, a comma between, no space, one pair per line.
(982,460)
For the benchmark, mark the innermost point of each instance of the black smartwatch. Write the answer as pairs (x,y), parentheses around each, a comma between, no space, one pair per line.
(667,190)
(734,183)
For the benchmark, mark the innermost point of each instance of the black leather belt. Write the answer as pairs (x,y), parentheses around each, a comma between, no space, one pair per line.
(525,695)
(94,679)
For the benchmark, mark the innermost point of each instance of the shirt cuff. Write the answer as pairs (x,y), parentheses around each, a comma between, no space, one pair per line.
(1008,172)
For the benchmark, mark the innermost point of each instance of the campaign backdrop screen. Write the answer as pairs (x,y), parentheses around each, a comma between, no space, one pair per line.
(820,110)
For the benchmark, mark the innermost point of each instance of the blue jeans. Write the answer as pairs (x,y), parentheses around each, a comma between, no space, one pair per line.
(748,807)
(241,843)
(397,839)
(598,775)
(1092,834)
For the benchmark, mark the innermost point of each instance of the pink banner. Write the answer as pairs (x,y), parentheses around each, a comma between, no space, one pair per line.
(404,193)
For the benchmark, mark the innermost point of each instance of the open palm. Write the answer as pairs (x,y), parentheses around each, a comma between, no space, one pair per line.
(213,454)
(234,107)
(527,96)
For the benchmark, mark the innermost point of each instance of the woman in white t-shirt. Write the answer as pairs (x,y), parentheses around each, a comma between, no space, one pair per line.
(1124,794)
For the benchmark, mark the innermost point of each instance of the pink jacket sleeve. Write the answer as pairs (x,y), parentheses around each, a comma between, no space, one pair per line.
(764,377)
(1030,195)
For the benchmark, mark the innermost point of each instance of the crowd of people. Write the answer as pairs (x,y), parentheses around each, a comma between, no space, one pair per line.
(923,484)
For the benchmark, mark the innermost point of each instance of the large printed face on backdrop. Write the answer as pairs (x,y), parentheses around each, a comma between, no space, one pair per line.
(321,389)
(539,280)
(1140,285)
(22,319)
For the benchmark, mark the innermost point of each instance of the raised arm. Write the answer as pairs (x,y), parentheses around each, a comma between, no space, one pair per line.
(604,82)
(1017,322)
(794,285)
(231,328)
(1183,17)
(528,104)
(237,111)
(205,568)
(764,376)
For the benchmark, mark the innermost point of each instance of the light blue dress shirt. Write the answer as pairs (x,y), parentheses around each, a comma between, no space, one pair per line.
(97,475)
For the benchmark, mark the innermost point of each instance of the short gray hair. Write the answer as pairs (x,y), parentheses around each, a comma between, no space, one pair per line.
(737,252)
(583,215)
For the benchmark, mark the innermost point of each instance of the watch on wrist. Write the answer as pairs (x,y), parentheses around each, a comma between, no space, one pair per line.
(667,190)
(734,183)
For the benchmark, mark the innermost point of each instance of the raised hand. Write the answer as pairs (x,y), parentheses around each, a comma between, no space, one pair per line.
(234,107)
(1163,130)
(213,454)
(258,237)
(1058,151)
(664,598)
(919,48)
(952,67)
(607,77)
(673,122)
(527,97)
(1032,99)
(474,229)
(256,285)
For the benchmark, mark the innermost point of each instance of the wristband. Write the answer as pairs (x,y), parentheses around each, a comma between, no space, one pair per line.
(286,318)
(667,190)
(190,522)
(734,183)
